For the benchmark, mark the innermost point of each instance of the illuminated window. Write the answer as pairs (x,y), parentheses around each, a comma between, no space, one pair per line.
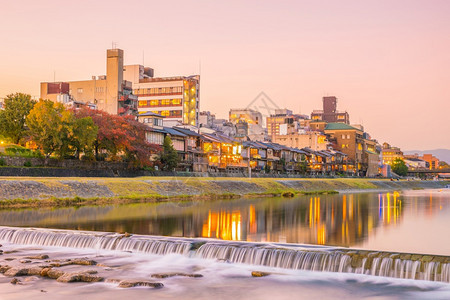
(80,91)
(154,103)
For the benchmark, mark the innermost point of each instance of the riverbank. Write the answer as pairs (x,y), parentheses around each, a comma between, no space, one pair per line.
(41,192)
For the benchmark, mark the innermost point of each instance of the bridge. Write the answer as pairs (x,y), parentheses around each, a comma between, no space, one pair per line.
(428,171)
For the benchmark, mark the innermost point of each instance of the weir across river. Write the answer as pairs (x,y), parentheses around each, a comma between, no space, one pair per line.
(286,256)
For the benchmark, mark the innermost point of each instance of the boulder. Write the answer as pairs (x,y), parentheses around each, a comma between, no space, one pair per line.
(24,261)
(80,276)
(84,262)
(4,268)
(260,274)
(15,281)
(134,283)
(42,256)
(54,274)
(166,275)
(35,271)
(44,272)
(16,272)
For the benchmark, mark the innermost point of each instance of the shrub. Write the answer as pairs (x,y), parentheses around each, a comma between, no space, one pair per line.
(2,162)
(27,164)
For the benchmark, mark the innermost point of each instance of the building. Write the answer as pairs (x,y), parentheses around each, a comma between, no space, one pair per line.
(249,123)
(329,112)
(206,119)
(314,140)
(414,163)
(432,161)
(349,140)
(176,98)
(110,92)
(389,154)
(281,123)
(155,134)
(248,115)
(316,125)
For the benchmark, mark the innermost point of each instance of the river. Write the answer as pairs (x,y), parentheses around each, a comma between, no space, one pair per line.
(405,221)
(414,221)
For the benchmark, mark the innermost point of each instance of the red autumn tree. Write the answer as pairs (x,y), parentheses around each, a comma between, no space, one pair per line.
(119,137)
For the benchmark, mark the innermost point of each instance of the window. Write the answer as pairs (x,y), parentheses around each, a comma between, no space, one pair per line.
(80,91)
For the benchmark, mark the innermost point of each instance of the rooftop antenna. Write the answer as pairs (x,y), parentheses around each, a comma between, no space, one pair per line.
(113,45)
(54,76)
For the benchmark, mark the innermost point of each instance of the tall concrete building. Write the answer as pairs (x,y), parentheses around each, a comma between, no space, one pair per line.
(389,154)
(108,92)
(248,123)
(329,113)
(283,122)
(175,98)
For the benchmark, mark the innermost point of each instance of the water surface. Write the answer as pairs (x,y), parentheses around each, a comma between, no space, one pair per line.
(408,221)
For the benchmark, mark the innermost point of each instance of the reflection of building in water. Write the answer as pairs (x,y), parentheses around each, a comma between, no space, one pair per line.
(223,225)
(343,220)
(389,208)
(335,220)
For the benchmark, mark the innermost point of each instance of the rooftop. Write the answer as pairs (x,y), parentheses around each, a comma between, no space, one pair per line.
(339,126)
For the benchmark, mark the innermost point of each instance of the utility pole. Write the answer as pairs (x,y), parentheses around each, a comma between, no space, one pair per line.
(248,164)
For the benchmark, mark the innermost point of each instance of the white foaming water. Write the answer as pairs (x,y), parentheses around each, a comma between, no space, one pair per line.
(93,240)
(319,259)
(327,261)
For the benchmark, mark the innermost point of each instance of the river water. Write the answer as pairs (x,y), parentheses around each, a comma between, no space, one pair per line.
(406,221)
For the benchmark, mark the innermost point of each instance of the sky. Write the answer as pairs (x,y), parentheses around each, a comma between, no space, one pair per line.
(386,61)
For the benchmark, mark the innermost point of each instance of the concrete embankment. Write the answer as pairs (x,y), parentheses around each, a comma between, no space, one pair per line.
(65,191)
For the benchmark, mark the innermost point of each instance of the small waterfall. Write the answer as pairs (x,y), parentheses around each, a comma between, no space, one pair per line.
(423,267)
(319,259)
(94,240)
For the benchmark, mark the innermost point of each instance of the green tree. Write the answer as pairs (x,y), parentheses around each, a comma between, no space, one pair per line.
(12,118)
(84,136)
(399,167)
(50,127)
(169,156)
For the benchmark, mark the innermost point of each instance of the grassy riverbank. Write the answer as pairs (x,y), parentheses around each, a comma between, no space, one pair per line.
(39,192)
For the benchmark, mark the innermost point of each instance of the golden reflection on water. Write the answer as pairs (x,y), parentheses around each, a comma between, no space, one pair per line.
(344,219)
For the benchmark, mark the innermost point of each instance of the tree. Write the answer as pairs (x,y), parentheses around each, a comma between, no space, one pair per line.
(399,167)
(120,137)
(12,119)
(47,127)
(169,156)
(84,136)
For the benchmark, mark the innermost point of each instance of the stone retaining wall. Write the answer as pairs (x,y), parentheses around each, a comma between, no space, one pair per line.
(150,187)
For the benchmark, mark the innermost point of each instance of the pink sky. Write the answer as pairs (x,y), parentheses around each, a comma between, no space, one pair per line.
(386,61)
